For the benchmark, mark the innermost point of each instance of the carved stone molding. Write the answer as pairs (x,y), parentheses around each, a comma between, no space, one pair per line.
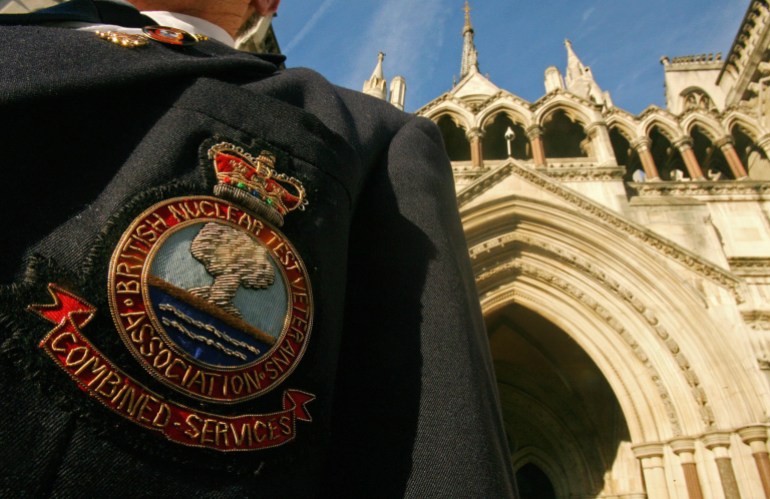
(593,127)
(585,267)
(754,433)
(746,190)
(683,143)
(653,109)
(764,141)
(757,320)
(750,267)
(568,163)
(682,446)
(475,132)
(433,104)
(551,279)
(648,450)
(569,173)
(716,439)
(635,231)
(468,168)
(584,104)
(534,131)
(483,184)
(478,106)
(641,143)
(723,141)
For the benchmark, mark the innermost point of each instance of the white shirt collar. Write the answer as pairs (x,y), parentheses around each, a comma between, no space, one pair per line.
(191,24)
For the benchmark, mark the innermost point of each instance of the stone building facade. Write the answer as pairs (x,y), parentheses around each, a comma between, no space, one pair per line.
(623,269)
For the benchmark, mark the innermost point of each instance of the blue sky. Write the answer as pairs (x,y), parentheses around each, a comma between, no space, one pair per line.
(622,41)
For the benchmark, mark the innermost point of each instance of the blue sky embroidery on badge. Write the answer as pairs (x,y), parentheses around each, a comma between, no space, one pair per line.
(197,332)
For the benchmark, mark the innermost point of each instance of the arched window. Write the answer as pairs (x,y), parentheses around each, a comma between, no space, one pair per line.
(697,99)
(457,146)
(711,159)
(564,138)
(494,144)
(626,155)
(752,156)
(667,157)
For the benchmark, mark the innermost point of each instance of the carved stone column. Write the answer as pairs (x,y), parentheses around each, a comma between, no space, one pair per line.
(728,149)
(474,137)
(651,457)
(642,147)
(600,138)
(719,443)
(756,438)
(684,145)
(685,449)
(535,134)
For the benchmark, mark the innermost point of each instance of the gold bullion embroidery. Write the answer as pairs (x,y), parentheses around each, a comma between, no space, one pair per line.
(123,39)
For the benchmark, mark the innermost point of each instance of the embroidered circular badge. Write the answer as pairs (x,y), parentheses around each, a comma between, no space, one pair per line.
(211,299)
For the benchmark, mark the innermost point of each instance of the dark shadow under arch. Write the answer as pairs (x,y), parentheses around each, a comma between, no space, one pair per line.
(457,146)
(533,483)
(563,137)
(667,157)
(494,144)
(626,155)
(710,157)
(752,156)
(557,405)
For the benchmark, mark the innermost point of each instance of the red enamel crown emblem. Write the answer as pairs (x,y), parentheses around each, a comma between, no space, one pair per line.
(254,182)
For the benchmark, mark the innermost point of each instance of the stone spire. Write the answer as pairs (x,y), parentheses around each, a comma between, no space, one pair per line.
(376,86)
(580,80)
(575,68)
(470,62)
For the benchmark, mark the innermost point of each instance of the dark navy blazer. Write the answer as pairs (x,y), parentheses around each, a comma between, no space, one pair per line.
(94,133)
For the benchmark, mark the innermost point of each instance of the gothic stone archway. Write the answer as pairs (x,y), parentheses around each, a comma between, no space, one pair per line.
(563,284)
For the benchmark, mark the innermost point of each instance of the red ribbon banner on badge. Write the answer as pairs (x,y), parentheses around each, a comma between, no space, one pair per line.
(100,378)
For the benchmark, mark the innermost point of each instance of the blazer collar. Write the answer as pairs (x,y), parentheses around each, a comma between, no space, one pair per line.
(86,11)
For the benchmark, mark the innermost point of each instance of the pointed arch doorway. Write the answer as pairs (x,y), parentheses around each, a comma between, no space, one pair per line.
(564,423)
(577,356)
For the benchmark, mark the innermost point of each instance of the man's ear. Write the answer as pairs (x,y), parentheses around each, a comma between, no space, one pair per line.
(265,7)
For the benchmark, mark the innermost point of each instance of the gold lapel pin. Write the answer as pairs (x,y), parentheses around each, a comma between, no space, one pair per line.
(161,34)
(123,39)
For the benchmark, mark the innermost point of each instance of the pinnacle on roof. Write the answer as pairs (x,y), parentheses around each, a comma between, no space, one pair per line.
(575,68)
(470,60)
(580,80)
(377,73)
(468,26)
(376,85)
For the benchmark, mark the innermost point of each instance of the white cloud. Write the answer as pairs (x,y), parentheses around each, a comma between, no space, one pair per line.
(309,25)
(588,13)
(709,30)
(411,35)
